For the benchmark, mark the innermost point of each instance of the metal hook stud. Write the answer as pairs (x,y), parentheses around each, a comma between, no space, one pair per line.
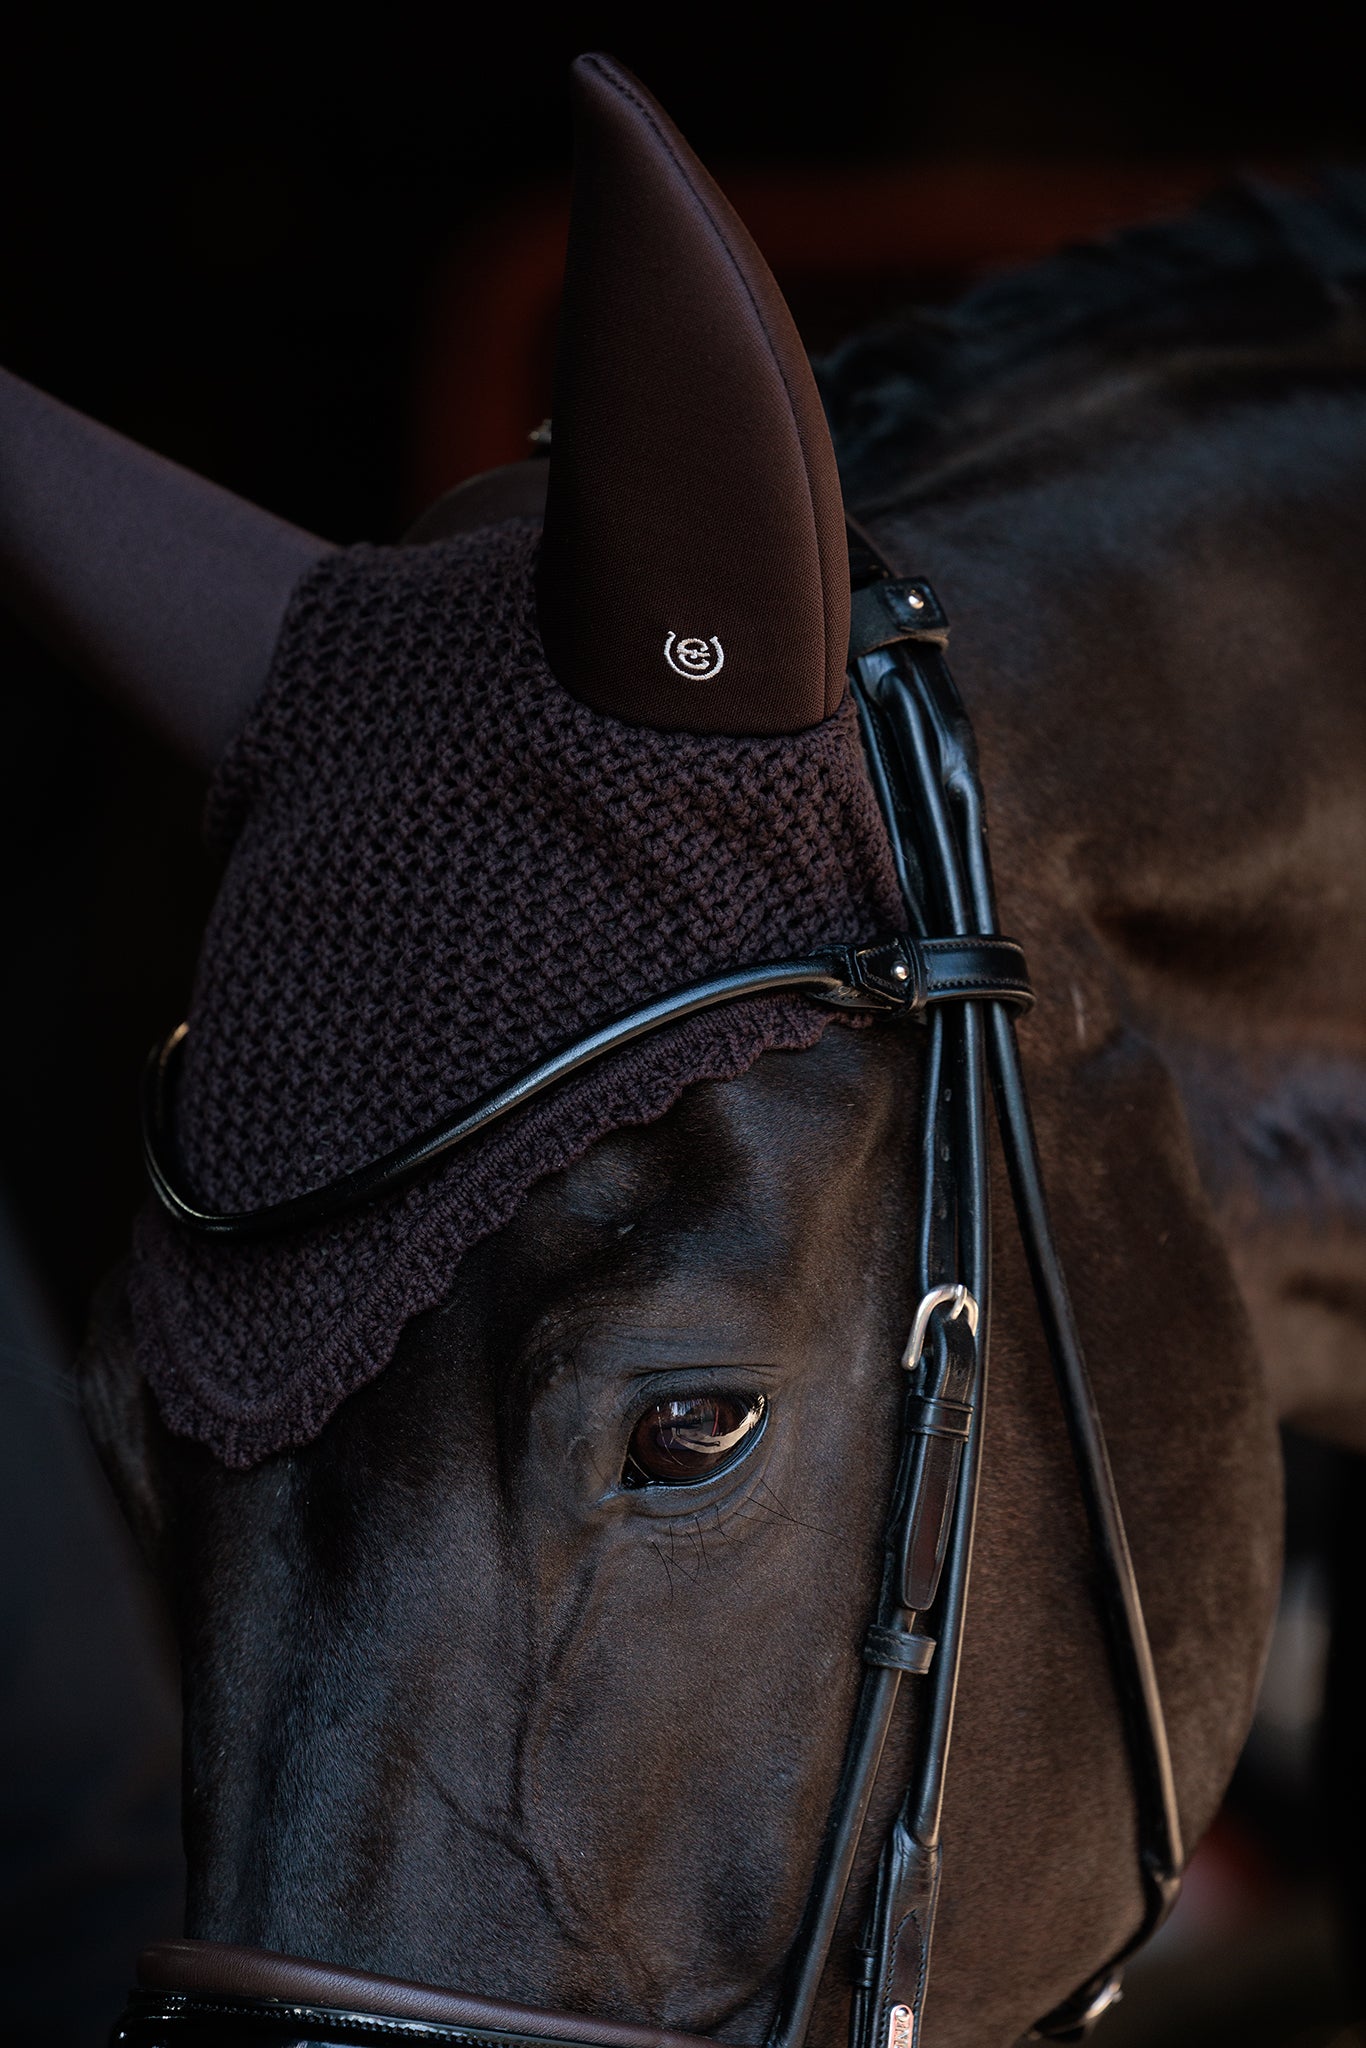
(956,1299)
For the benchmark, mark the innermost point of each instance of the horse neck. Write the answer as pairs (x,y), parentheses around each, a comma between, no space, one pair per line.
(1158,624)
(1157,628)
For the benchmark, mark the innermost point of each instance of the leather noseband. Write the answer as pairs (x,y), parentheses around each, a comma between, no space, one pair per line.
(217,1996)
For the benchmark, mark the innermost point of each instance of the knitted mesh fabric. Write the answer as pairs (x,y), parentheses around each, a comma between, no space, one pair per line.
(443,867)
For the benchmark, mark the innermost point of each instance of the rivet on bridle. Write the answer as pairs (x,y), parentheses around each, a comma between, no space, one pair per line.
(915,600)
(901,972)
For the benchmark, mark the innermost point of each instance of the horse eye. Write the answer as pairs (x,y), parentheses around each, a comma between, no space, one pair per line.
(678,1441)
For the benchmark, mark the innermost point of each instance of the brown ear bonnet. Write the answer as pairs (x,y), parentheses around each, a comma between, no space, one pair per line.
(695,570)
(447,860)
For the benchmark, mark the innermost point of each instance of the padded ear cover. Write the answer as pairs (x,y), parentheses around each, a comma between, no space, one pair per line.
(694,573)
(160,587)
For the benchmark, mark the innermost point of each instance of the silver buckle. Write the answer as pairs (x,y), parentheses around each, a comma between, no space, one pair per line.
(953,1297)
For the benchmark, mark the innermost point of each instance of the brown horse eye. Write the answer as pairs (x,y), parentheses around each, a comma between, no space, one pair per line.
(678,1441)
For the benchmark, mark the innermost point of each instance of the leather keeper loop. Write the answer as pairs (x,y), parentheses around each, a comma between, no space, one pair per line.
(863,1969)
(897,1649)
(938,1418)
(894,609)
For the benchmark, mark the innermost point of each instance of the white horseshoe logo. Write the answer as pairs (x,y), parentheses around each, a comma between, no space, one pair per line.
(698,660)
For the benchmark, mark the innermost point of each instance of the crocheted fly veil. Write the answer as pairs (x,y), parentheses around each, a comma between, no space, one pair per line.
(505,785)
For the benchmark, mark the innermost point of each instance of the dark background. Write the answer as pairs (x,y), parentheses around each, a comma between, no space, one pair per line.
(247,239)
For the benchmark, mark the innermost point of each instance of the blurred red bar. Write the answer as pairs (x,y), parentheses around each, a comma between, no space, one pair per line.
(846,245)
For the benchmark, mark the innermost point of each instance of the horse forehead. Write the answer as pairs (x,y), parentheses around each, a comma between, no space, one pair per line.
(790,1138)
(736,1214)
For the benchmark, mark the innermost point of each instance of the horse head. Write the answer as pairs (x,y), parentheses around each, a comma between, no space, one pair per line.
(525,1508)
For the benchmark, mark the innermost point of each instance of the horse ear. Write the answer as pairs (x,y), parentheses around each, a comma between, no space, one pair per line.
(694,571)
(161,588)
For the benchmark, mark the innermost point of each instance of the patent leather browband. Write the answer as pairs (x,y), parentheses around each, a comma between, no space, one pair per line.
(966,987)
(902,975)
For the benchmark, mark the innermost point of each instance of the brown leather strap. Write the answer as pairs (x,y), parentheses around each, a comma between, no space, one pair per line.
(221,1970)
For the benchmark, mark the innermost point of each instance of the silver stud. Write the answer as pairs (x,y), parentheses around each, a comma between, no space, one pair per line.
(915,600)
(901,972)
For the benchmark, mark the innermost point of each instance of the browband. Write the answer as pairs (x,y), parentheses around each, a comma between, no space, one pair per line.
(902,975)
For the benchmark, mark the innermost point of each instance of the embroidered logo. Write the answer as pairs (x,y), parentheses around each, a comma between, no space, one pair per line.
(698,660)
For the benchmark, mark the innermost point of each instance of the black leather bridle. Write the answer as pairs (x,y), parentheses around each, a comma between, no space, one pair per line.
(951,969)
